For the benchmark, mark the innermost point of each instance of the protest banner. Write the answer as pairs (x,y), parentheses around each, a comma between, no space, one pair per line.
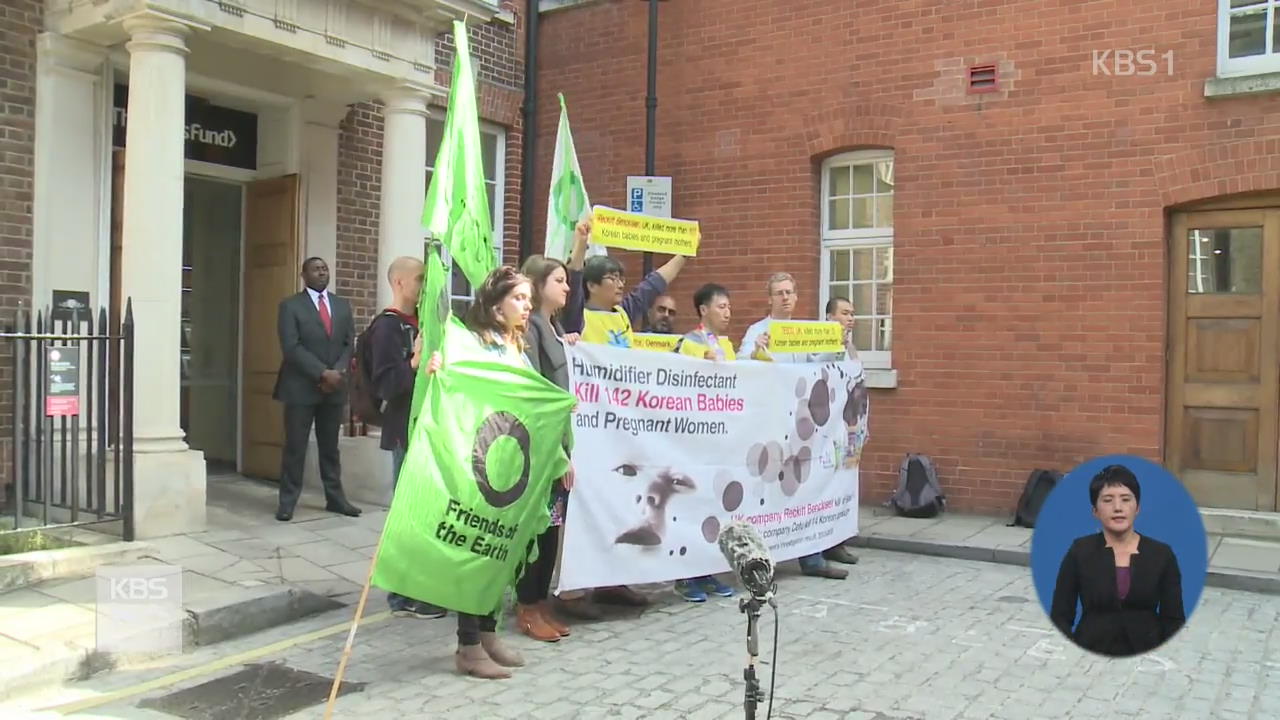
(805,336)
(669,449)
(654,341)
(645,233)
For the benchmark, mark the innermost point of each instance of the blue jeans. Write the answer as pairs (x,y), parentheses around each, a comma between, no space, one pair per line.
(812,562)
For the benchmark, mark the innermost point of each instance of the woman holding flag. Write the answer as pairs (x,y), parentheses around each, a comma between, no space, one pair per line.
(498,318)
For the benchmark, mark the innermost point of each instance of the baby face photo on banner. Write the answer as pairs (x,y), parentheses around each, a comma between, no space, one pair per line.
(669,449)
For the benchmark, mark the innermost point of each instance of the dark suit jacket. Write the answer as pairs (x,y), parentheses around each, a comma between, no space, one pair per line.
(307,351)
(1148,616)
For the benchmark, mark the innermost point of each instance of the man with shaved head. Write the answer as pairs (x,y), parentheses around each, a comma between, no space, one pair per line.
(396,352)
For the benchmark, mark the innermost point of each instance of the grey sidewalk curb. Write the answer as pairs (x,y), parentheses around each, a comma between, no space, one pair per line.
(208,621)
(23,569)
(1230,580)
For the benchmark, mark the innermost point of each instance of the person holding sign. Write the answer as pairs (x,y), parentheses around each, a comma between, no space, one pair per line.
(598,308)
(782,304)
(708,340)
(545,345)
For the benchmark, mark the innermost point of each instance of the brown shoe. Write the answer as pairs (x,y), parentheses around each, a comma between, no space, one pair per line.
(499,652)
(549,617)
(841,554)
(826,571)
(579,607)
(472,660)
(530,621)
(620,595)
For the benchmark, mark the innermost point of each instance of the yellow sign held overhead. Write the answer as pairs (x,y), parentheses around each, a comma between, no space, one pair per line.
(645,233)
(805,336)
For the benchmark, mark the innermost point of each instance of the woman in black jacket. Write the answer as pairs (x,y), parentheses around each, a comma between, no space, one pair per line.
(1128,585)
(545,346)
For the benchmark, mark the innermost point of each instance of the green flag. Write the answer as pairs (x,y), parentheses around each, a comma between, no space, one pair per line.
(457,208)
(475,488)
(567,202)
(434,310)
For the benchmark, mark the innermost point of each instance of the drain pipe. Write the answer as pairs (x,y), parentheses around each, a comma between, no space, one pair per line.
(529,142)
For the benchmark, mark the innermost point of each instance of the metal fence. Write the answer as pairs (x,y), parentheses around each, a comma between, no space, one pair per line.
(72,460)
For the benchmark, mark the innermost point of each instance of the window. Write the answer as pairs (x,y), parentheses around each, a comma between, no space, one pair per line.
(1248,37)
(857,246)
(492,149)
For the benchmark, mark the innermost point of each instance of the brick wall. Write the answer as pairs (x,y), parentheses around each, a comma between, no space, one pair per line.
(497,49)
(19,21)
(1030,247)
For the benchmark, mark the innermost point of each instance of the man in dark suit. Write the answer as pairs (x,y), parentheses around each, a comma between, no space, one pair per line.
(317,337)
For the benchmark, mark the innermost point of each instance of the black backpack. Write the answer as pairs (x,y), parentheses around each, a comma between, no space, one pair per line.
(362,395)
(919,495)
(1039,484)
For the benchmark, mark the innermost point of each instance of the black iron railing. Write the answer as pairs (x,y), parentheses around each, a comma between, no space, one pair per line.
(72,419)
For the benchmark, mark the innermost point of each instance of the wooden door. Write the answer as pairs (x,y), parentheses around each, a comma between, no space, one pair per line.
(271,273)
(1223,395)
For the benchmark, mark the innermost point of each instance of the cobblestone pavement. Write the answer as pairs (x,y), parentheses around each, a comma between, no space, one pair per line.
(905,636)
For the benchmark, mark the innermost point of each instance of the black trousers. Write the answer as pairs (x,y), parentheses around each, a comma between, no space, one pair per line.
(534,585)
(298,421)
(470,627)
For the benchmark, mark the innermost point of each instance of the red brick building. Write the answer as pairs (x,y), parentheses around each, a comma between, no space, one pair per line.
(1007,191)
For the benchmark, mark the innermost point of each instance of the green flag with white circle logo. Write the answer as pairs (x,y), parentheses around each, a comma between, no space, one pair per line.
(475,487)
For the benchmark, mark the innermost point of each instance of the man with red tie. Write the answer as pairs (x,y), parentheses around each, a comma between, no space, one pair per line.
(317,338)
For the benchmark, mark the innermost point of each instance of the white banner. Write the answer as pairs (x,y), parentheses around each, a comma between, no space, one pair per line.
(668,449)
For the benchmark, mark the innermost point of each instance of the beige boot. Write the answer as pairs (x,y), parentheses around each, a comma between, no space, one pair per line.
(474,661)
(499,652)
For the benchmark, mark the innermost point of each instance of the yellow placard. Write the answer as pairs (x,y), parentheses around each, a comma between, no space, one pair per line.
(657,342)
(805,336)
(633,231)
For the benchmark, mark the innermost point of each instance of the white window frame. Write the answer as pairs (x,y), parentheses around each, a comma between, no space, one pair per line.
(1255,64)
(499,187)
(863,237)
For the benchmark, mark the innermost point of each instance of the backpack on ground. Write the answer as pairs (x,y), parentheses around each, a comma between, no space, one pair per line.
(919,495)
(1039,484)
(362,394)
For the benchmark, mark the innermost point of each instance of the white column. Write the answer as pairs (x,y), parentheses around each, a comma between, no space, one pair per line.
(404,180)
(169,492)
(151,266)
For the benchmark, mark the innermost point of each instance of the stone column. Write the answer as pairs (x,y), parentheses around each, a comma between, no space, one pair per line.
(404,180)
(169,492)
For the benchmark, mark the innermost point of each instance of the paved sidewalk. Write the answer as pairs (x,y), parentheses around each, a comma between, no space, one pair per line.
(1234,562)
(249,572)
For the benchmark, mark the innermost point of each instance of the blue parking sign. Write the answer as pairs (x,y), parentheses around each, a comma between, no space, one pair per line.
(637,194)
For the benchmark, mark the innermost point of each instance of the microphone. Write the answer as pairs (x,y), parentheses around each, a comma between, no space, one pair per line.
(748,556)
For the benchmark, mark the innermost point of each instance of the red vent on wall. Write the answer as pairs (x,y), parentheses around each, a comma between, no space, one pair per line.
(983,79)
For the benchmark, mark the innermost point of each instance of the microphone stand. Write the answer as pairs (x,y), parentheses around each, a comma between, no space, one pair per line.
(751,606)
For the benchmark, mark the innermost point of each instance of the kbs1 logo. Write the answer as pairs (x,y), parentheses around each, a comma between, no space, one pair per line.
(1129,63)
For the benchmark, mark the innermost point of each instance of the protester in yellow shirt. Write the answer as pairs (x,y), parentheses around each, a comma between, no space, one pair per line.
(597,307)
(709,340)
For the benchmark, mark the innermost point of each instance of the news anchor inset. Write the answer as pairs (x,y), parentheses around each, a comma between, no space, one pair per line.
(1120,592)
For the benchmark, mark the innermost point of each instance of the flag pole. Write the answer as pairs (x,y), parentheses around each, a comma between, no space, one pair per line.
(351,635)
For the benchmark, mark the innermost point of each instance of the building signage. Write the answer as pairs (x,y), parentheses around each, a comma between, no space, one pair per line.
(214,134)
(649,195)
(62,391)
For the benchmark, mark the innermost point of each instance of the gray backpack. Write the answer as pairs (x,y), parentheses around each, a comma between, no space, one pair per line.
(918,494)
